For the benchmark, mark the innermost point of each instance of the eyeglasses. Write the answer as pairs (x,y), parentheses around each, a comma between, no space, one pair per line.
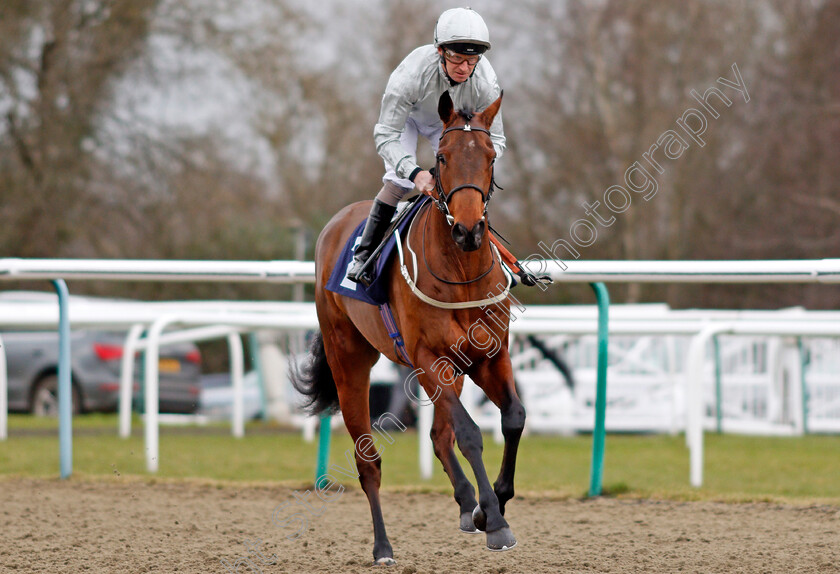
(458,59)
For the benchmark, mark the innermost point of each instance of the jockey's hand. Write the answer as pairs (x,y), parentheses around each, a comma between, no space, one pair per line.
(424,182)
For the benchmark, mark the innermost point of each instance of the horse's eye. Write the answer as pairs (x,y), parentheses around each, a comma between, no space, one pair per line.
(441,159)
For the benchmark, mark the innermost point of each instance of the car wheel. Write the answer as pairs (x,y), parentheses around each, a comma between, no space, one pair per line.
(45,398)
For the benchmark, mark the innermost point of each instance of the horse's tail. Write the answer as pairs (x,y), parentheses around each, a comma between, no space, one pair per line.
(314,380)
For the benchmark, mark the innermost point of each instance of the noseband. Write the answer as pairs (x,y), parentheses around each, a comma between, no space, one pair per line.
(442,199)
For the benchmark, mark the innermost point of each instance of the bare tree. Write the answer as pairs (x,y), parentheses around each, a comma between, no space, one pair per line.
(590,88)
(610,78)
(56,63)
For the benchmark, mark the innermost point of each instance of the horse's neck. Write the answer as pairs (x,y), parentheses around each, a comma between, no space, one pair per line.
(448,260)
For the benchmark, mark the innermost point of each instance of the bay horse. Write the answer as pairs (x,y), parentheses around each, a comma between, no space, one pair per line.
(455,323)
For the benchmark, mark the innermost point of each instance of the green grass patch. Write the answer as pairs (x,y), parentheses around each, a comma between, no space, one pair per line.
(738,468)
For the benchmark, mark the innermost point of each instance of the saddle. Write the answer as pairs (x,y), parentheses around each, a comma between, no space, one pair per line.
(377,292)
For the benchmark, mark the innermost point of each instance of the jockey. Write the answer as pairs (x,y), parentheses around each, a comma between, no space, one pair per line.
(454,63)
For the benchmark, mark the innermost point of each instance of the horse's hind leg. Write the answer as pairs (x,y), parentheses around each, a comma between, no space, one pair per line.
(351,359)
(443,438)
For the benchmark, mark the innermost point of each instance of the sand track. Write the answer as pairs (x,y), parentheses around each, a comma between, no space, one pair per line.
(126,525)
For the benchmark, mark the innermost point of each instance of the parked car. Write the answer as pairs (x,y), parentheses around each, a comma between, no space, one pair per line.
(96,356)
(216,397)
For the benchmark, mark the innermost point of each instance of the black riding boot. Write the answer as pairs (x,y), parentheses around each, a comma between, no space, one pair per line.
(377,222)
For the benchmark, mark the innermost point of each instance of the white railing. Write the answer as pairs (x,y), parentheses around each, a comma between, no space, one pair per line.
(215,319)
(58,270)
(817,271)
(156,270)
(778,271)
(675,395)
(762,385)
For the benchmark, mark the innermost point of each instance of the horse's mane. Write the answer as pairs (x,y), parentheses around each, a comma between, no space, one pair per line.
(466,114)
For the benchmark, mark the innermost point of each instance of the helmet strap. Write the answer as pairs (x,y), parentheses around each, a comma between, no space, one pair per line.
(446,73)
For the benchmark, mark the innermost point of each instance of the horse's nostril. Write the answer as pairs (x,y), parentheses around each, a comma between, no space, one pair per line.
(459,233)
(478,230)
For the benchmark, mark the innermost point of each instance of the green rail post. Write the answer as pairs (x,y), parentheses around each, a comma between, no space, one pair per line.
(599,430)
(257,364)
(718,386)
(323,448)
(65,394)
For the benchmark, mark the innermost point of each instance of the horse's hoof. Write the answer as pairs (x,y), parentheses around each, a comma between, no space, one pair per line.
(467,524)
(386,561)
(479,518)
(501,539)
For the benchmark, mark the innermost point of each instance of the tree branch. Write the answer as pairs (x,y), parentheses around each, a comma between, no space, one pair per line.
(831,205)
(22,148)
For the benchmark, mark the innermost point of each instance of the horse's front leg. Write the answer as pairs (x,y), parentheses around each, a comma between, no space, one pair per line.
(468,436)
(443,439)
(496,380)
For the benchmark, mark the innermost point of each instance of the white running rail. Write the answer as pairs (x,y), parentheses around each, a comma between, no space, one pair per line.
(782,271)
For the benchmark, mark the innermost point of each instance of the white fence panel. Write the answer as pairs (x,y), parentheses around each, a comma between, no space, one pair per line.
(760,385)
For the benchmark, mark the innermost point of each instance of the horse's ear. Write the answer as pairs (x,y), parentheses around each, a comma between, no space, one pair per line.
(490,112)
(445,107)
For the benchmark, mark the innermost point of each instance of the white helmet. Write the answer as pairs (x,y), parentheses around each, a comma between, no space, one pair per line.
(462,26)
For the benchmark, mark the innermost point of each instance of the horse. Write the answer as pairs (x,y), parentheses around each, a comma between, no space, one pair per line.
(453,316)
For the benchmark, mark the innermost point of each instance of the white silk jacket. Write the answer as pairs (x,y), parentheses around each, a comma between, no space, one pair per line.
(414,89)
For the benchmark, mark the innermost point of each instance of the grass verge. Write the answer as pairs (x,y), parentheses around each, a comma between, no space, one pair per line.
(798,470)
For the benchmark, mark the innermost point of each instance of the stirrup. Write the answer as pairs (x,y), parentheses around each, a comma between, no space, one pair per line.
(358,274)
(377,223)
(531,280)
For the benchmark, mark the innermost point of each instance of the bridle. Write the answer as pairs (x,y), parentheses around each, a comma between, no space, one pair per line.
(442,199)
(442,202)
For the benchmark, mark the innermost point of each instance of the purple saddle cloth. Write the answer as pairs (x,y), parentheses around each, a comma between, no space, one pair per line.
(377,293)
